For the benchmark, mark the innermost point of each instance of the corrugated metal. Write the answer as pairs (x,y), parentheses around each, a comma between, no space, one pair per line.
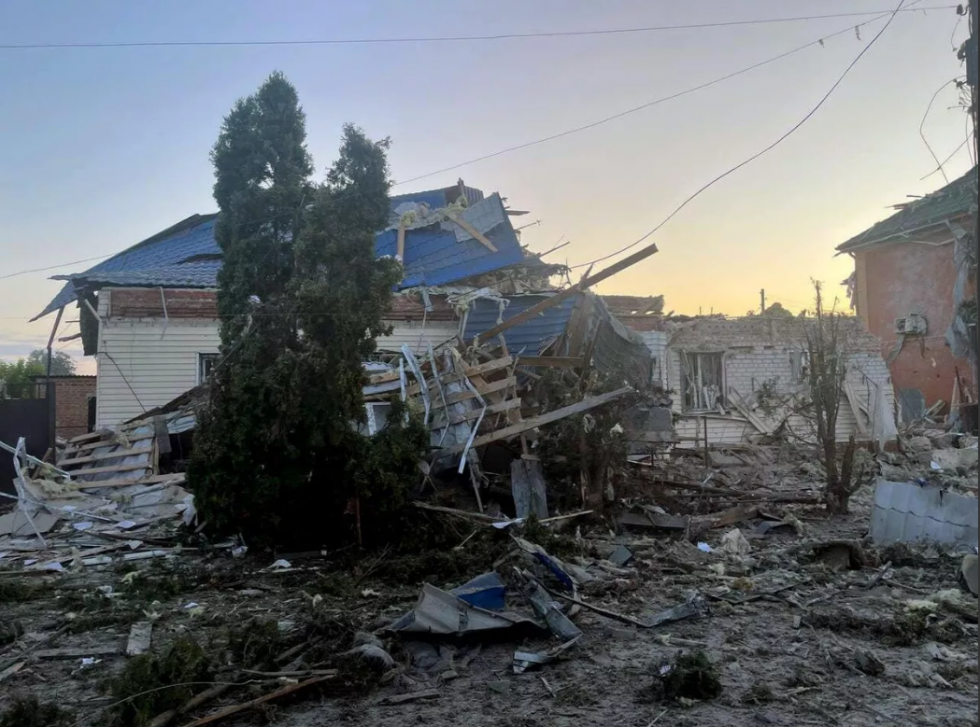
(529,337)
(905,512)
(433,256)
(189,242)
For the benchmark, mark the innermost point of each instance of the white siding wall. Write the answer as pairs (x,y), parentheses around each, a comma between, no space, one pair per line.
(144,363)
(418,337)
(656,342)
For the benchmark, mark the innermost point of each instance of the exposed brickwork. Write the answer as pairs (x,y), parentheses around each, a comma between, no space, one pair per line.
(147,303)
(202,304)
(896,280)
(72,394)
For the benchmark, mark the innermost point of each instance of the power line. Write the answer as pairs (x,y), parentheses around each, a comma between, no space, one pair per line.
(568,132)
(447,38)
(53,267)
(922,124)
(758,154)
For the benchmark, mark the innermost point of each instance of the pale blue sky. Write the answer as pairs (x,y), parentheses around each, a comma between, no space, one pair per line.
(104,147)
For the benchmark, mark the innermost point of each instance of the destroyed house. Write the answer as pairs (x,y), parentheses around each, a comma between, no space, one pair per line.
(734,381)
(913,287)
(149,313)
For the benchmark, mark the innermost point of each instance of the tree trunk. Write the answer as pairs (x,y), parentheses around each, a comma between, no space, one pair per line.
(839,489)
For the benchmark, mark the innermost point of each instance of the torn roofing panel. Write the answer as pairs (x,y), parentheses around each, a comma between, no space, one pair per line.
(187,255)
(956,199)
(529,337)
(434,256)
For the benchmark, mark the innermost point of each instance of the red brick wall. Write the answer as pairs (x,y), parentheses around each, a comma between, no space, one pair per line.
(147,303)
(71,404)
(904,278)
(203,304)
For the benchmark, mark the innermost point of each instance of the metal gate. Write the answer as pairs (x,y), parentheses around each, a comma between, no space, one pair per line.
(28,418)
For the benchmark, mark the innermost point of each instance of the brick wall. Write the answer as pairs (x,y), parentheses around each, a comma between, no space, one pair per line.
(899,279)
(71,404)
(148,303)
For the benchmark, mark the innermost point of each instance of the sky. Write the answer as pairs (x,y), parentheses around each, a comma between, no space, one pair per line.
(103,147)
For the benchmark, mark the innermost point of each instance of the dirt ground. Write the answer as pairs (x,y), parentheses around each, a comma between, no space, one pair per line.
(813,625)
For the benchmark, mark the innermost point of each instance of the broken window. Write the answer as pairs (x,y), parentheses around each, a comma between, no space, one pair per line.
(205,365)
(799,361)
(702,381)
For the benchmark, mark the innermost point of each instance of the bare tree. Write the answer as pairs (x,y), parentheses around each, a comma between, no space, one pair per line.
(826,377)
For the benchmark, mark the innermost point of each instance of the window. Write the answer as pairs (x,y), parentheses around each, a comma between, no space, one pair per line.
(799,361)
(205,365)
(702,381)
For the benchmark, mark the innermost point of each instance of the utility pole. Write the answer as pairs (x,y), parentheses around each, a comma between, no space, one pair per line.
(969,52)
(762,296)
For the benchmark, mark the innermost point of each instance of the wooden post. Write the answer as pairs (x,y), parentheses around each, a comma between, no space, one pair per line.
(49,392)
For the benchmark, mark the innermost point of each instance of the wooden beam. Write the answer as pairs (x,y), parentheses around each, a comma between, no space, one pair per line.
(400,253)
(554,300)
(114,468)
(553,362)
(105,443)
(475,414)
(538,421)
(177,478)
(118,454)
(486,368)
(475,234)
(482,389)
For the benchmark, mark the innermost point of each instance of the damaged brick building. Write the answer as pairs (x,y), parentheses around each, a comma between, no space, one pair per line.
(913,286)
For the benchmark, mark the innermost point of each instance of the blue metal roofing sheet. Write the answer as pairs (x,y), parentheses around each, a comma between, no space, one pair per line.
(529,337)
(432,256)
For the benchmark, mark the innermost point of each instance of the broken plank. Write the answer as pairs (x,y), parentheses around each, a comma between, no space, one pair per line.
(140,634)
(567,293)
(555,362)
(541,420)
(440,422)
(244,706)
(475,233)
(411,697)
(106,443)
(481,388)
(177,478)
(118,454)
(90,436)
(78,653)
(458,513)
(486,368)
(114,468)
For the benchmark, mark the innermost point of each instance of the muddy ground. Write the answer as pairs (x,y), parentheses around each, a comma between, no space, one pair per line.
(811,627)
(834,644)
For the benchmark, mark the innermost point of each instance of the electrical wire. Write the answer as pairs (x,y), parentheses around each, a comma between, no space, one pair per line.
(568,132)
(922,124)
(758,154)
(448,38)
